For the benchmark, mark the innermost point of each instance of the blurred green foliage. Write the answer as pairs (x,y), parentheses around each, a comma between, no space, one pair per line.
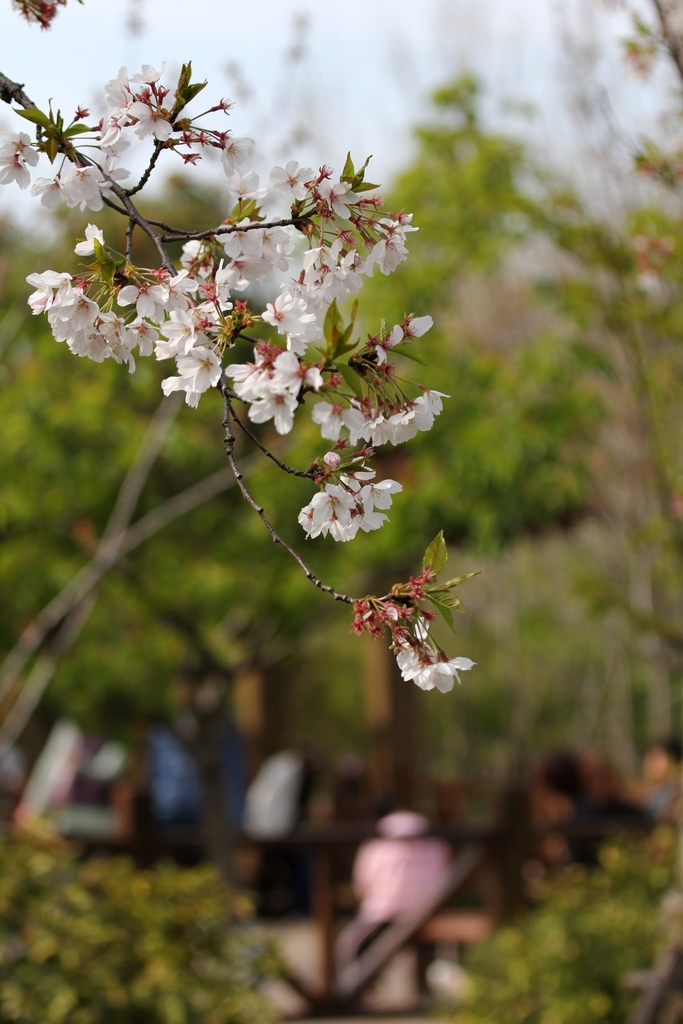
(566,961)
(102,942)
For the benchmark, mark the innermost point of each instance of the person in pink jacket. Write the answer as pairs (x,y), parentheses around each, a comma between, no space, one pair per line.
(393,876)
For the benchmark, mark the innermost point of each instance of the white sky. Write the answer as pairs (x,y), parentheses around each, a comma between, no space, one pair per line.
(367,71)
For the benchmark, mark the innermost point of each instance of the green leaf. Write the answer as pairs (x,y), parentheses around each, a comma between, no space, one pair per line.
(446,598)
(455,582)
(186,90)
(446,613)
(436,554)
(101,253)
(194,90)
(245,210)
(333,328)
(365,186)
(35,116)
(77,129)
(348,171)
(351,378)
(51,146)
(343,344)
(404,348)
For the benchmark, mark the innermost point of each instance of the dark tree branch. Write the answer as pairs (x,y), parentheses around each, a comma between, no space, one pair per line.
(129,239)
(178,235)
(13,91)
(671,39)
(158,146)
(226,392)
(307,474)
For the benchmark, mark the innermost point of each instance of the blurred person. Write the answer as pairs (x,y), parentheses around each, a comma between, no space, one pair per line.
(557,785)
(351,793)
(394,875)
(277,800)
(662,779)
(580,788)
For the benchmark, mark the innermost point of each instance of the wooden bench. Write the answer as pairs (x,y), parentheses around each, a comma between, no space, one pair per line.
(456,928)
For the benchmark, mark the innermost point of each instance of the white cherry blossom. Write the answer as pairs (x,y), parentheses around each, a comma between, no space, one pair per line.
(87,247)
(151,122)
(50,191)
(149,299)
(290,179)
(82,187)
(15,154)
(278,406)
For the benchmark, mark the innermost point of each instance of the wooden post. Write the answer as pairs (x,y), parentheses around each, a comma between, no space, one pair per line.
(511,848)
(377,679)
(249,715)
(323,910)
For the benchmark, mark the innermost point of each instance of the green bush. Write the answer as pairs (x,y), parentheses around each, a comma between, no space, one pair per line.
(564,963)
(103,942)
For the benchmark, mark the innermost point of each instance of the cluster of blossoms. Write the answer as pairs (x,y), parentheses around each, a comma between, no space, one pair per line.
(39,12)
(333,232)
(343,508)
(403,614)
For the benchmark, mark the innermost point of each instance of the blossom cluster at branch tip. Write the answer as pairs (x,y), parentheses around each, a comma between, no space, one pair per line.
(418,657)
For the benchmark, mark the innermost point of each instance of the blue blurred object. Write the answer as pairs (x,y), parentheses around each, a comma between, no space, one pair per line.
(174,783)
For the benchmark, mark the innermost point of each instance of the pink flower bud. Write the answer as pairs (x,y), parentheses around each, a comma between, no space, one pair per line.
(332,459)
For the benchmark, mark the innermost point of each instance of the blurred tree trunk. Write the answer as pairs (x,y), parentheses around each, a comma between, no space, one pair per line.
(201,727)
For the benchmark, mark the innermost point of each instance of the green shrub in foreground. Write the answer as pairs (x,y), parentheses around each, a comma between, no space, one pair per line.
(564,963)
(105,943)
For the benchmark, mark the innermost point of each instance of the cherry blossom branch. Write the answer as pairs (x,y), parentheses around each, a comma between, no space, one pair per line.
(134,214)
(158,146)
(178,235)
(10,90)
(671,39)
(129,239)
(307,474)
(197,334)
(229,442)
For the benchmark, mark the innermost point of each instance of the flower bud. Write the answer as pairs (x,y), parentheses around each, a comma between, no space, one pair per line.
(332,460)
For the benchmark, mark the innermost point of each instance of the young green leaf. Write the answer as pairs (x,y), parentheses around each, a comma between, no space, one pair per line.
(455,582)
(35,116)
(351,378)
(445,597)
(404,348)
(348,171)
(446,613)
(77,129)
(436,554)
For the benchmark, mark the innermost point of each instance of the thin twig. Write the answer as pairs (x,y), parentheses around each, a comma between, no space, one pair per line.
(246,494)
(135,215)
(307,474)
(158,146)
